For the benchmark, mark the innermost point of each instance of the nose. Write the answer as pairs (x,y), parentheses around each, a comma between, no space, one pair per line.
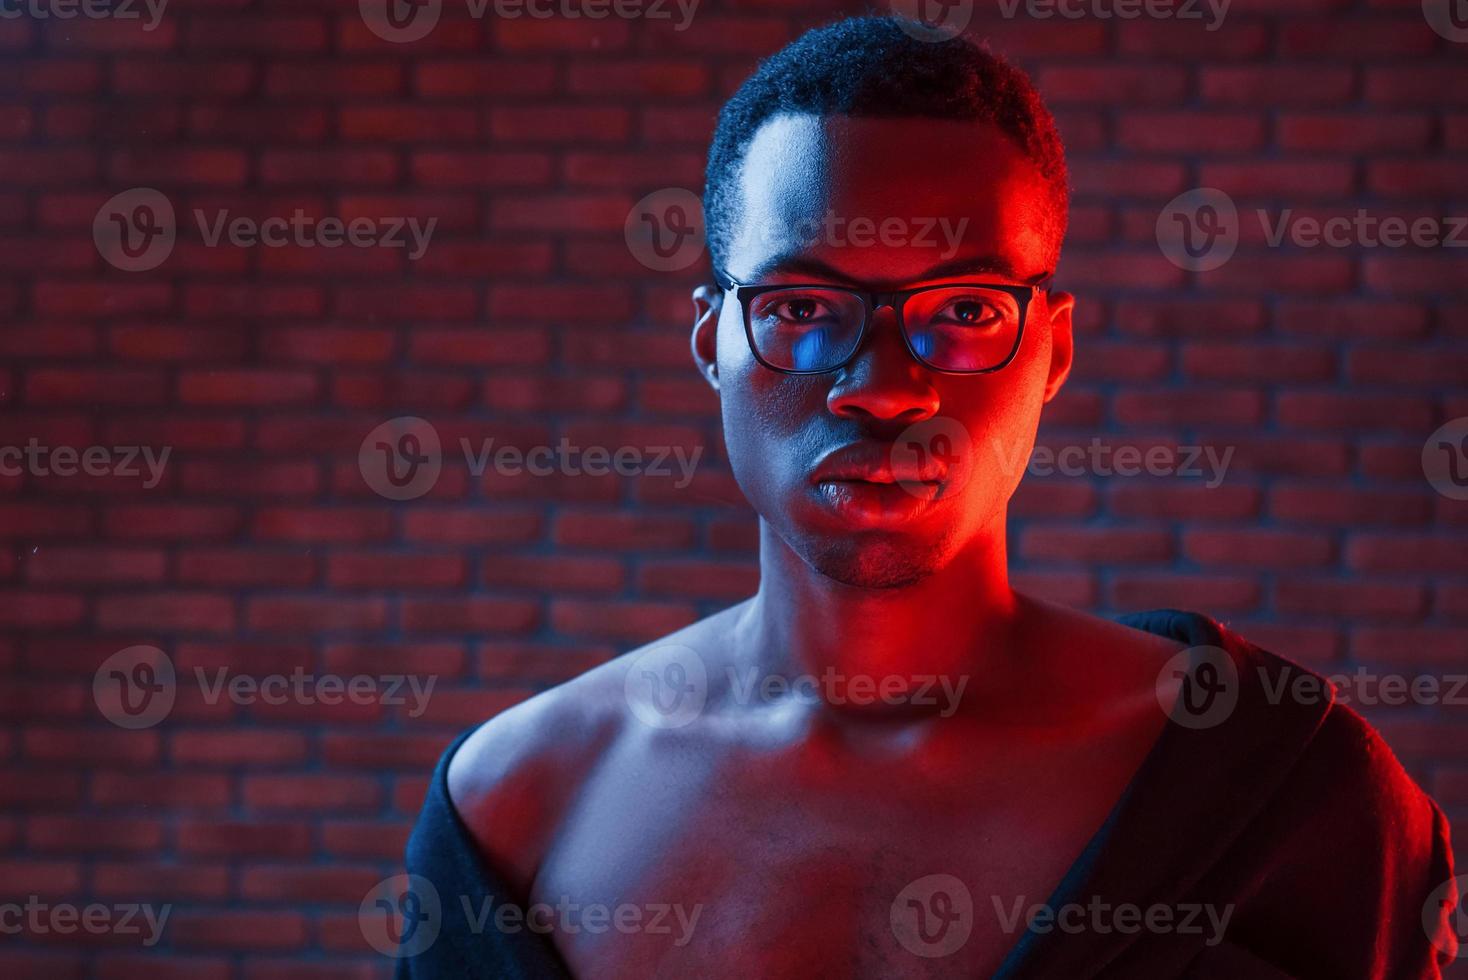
(883,381)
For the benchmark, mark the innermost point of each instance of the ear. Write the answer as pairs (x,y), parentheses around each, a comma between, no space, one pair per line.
(1058,307)
(708,303)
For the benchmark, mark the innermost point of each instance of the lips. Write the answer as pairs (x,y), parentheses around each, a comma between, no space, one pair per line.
(878,463)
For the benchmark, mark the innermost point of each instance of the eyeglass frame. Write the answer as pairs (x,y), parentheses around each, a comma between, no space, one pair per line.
(872,301)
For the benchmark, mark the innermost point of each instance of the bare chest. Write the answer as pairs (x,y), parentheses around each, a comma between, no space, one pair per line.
(774,868)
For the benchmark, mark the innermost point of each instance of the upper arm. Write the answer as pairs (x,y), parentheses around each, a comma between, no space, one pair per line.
(1362,847)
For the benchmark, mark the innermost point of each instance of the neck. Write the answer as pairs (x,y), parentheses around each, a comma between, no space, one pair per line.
(953,623)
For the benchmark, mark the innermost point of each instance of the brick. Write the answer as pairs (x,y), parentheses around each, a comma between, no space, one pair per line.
(1276,85)
(311,792)
(565,124)
(235,748)
(1314,132)
(1413,553)
(1243,362)
(1258,547)
(286,613)
(246,931)
(167,611)
(1352,412)
(627,621)
(1078,543)
(1345,599)
(1190,132)
(95,565)
(470,614)
(408,123)
(1210,594)
(1336,506)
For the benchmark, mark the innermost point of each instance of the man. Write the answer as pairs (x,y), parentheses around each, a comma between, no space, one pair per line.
(888,763)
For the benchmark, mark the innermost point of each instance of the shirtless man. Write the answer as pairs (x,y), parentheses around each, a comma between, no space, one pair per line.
(793,816)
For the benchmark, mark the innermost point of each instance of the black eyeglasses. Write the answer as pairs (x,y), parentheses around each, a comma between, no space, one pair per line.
(955,328)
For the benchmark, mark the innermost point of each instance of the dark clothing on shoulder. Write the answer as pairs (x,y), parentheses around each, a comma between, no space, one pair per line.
(1290,811)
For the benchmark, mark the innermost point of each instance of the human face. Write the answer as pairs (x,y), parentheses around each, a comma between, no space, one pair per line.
(828,460)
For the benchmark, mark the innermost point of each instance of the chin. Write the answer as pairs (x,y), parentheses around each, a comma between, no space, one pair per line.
(874,561)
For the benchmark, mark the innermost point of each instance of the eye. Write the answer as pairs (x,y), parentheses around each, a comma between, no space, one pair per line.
(969,311)
(800,309)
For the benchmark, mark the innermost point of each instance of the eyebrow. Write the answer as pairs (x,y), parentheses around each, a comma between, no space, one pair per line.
(988,265)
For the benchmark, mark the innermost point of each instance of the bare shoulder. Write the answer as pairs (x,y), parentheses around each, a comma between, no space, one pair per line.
(1092,660)
(512,779)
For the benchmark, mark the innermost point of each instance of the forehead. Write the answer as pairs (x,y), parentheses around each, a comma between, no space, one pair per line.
(932,191)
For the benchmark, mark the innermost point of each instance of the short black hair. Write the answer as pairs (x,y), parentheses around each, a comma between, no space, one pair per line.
(877,66)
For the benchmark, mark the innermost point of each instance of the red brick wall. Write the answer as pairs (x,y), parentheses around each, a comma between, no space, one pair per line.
(528,319)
